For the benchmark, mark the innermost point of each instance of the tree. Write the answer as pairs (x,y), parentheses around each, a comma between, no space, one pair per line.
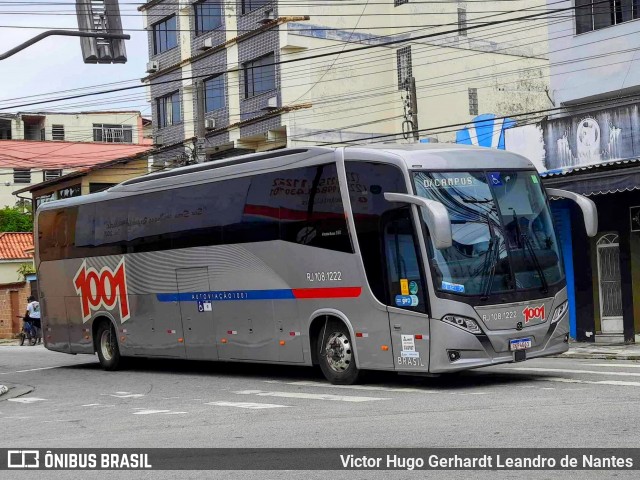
(13,220)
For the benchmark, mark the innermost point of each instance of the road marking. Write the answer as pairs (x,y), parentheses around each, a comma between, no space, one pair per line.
(621,365)
(310,396)
(560,370)
(152,412)
(249,405)
(26,399)
(617,383)
(96,405)
(372,388)
(123,395)
(34,369)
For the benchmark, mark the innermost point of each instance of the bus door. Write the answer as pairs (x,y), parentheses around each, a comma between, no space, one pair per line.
(406,293)
(196,309)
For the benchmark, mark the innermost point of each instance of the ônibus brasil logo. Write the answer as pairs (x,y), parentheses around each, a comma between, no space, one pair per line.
(104,288)
(531,313)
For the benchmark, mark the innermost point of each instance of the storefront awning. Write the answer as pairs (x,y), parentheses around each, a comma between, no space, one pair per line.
(622,176)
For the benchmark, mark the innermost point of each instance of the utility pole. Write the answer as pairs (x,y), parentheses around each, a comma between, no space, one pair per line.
(200,126)
(414,109)
(410,104)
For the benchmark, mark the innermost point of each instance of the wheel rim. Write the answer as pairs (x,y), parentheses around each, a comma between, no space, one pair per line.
(106,345)
(338,352)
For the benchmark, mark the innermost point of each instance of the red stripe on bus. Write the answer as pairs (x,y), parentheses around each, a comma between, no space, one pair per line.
(335,292)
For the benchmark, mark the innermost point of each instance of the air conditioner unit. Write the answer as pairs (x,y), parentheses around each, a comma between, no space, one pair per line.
(207,44)
(159,140)
(210,124)
(272,103)
(153,66)
(268,16)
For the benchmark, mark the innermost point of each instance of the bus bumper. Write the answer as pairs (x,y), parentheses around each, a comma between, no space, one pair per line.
(462,350)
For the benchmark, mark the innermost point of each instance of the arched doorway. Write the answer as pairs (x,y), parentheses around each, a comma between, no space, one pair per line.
(608,258)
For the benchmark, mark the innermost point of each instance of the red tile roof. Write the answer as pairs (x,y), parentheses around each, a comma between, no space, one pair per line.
(13,245)
(62,155)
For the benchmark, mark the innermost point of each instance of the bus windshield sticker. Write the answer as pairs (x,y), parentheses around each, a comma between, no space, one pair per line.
(534,179)
(413,287)
(494,177)
(453,287)
(404,286)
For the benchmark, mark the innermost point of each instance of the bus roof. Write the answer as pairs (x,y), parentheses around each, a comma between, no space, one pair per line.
(413,156)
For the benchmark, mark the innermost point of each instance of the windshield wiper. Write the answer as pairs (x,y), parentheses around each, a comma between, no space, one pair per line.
(528,246)
(491,259)
(536,263)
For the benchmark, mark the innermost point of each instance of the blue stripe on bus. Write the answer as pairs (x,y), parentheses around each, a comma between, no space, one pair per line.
(229,295)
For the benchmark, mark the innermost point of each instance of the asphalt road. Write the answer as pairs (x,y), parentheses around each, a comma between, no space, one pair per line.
(69,401)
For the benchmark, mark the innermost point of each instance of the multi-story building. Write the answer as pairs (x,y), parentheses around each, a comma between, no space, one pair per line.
(589,143)
(103,127)
(234,76)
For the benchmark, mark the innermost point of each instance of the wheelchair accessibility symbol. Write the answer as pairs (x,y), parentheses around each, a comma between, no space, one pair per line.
(204,306)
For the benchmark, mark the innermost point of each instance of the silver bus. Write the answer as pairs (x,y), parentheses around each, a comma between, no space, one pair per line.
(416,259)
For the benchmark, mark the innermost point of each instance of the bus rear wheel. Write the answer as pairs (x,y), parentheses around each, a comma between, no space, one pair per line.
(336,356)
(107,347)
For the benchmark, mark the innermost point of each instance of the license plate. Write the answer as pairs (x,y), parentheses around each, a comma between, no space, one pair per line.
(520,344)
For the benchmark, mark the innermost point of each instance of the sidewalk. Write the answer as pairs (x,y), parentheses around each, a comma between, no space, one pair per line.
(603,352)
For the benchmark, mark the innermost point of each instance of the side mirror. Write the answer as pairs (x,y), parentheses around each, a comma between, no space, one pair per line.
(589,210)
(434,214)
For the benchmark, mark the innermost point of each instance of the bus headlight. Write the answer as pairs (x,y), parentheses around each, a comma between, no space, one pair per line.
(559,312)
(463,322)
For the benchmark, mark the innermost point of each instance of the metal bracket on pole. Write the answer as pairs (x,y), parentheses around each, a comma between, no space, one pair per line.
(63,33)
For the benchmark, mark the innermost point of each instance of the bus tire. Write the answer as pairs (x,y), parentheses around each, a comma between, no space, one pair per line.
(107,347)
(336,356)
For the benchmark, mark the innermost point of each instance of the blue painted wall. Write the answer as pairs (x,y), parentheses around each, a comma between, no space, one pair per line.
(562,218)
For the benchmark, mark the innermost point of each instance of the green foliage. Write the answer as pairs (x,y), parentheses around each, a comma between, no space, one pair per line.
(12,219)
(26,269)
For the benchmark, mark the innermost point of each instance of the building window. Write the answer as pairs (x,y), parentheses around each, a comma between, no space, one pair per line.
(473,101)
(112,133)
(57,132)
(208,15)
(404,66)
(462,22)
(596,14)
(51,174)
(21,175)
(214,93)
(165,35)
(399,2)
(259,76)
(251,5)
(169,110)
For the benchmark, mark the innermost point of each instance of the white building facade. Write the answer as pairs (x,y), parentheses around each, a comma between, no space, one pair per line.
(278,74)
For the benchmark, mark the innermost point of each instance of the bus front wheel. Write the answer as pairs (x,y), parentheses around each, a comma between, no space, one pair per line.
(107,347)
(336,358)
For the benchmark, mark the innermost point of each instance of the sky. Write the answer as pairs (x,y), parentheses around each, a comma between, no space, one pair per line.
(55,64)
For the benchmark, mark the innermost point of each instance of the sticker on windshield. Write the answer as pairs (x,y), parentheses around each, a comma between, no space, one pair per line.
(404,286)
(494,178)
(452,287)
(534,179)
(406,301)
(413,287)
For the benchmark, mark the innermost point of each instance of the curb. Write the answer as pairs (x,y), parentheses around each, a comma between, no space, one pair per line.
(3,389)
(600,356)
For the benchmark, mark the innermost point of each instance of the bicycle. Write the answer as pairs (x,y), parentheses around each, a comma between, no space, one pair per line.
(29,332)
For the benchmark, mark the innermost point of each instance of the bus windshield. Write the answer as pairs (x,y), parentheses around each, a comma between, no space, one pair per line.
(503,236)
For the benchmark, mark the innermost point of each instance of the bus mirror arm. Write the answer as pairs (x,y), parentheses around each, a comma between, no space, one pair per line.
(589,210)
(434,214)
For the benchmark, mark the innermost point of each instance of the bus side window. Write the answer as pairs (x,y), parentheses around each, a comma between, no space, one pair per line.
(404,273)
